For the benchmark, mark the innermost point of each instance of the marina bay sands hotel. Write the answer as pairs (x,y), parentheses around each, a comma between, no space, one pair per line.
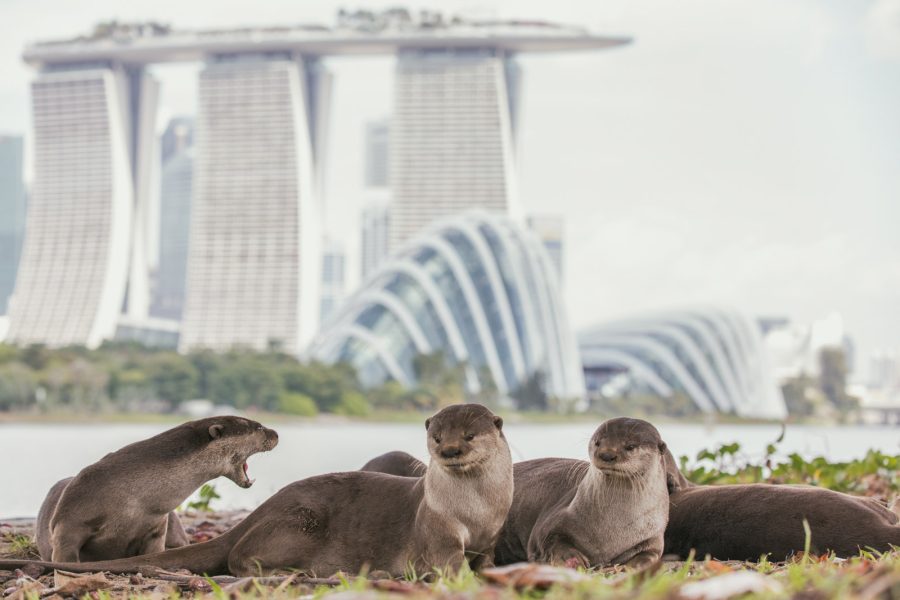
(254,258)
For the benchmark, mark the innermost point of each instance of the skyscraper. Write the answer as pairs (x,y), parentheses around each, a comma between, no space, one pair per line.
(178,136)
(176,189)
(254,258)
(376,220)
(376,208)
(334,278)
(91,184)
(451,136)
(377,153)
(12,214)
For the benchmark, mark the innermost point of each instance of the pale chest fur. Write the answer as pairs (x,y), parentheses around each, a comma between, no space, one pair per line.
(615,517)
(474,507)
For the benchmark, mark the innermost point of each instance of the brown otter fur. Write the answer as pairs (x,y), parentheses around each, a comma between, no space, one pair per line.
(396,463)
(349,521)
(770,517)
(744,522)
(122,505)
(611,510)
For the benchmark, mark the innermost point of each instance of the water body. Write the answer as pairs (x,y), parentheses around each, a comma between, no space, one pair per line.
(35,456)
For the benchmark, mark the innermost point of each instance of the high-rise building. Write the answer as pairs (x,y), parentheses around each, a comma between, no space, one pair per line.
(451,136)
(178,136)
(376,220)
(334,278)
(378,137)
(549,229)
(254,257)
(83,260)
(376,208)
(12,214)
(254,261)
(175,196)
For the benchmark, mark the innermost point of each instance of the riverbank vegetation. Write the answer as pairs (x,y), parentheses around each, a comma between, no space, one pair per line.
(128,378)
(125,378)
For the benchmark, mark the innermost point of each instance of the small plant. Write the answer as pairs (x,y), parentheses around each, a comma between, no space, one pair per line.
(206,496)
(876,473)
(21,546)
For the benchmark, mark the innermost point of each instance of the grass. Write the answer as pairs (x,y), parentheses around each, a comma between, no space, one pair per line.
(20,546)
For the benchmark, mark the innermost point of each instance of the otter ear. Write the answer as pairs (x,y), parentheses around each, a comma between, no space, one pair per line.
(427,423)
(215,431)
(662,447)
(498,422)
(672,483)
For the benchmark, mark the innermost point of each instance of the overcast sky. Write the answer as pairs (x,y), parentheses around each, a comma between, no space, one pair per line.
(744,152)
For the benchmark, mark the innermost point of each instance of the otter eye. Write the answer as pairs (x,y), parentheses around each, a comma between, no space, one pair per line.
(437,439)
(630,447)
(469,437)
(597,443)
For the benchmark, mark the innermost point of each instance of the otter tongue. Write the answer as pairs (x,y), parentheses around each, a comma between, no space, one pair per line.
(247,474)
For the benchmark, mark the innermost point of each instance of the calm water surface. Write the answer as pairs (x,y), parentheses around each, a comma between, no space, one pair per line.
(35,456)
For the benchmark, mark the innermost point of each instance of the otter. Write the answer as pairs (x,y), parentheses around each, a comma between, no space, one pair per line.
(769,518)
(611,510)
(747,521)
(123,504)
(356,520)
(396,463)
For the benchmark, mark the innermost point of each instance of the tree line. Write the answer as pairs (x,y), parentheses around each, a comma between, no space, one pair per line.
(128,377)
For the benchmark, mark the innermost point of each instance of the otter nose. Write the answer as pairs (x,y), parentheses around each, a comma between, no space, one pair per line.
(608,456)
(450,451)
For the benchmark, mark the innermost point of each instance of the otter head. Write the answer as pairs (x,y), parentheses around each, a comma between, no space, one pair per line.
(625,447)
(464,436)
(229,441)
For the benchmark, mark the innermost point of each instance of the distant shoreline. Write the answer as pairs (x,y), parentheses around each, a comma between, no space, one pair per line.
(537,418)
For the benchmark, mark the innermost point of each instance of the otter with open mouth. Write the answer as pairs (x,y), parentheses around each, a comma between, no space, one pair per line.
(356,520)
(123,504)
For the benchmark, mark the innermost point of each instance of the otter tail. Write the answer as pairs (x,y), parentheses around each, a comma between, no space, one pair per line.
(209,557)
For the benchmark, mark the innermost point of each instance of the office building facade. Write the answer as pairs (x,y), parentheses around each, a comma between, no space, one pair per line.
(82,258)
(254,257)
(175,198)
(12,211)
(451,137)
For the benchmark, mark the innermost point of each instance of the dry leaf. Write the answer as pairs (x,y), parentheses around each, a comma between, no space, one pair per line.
(531,575)
(70,584)
(733,584)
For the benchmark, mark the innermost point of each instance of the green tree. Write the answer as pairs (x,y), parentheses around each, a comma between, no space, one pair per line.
(294,403)
(441,383)
(833,379)
(531,395)
(206,363)
(77,384)
(17,386)
(801,395)
(173,378)
(247,381)
(353,404)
